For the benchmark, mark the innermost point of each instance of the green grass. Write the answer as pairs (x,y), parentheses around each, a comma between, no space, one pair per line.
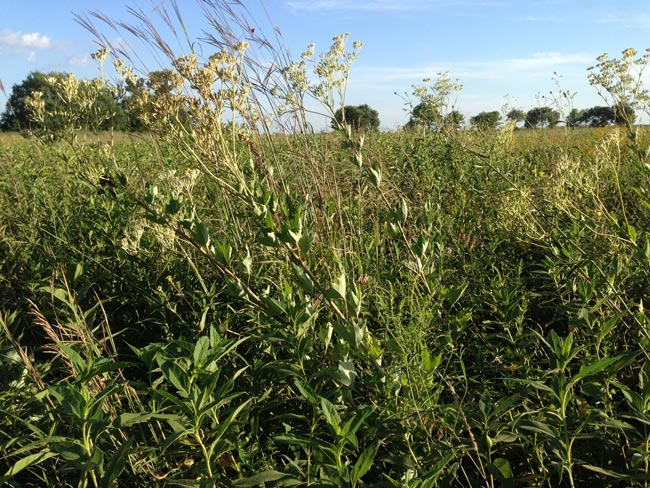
(474,321)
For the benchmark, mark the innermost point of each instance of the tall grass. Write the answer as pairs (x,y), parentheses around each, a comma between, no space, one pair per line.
(240,301)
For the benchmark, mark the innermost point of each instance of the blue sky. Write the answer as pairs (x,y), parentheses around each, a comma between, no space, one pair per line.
(503,51)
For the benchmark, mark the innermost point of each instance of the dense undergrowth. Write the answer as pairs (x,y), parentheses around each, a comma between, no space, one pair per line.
(224,305)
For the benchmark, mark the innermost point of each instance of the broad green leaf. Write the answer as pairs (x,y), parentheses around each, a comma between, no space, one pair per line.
(347,373)
(500,468)
(176,376)
(363,464)
(306,391)
(202,234)
(305,282)
(375,176)
(267,477)
(116,465)
(274,307)
(26,462)
(454,294)
(223,252)
(594,368)
(338,289)
(128,418)
(201,351)
(305,242)
(332,417)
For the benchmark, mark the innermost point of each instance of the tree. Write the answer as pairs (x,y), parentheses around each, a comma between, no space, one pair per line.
(516,115)
(454,119)
(596,116)
(360,117)
(542,117)
(602,116)
(486,120)
(623,114)
(16,114)
(105,110)
(424,115)
(573,119)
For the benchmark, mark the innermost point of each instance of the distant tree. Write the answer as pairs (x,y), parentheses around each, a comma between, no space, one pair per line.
(425,115)
(486,120)
(454,119)
(573,119)
(106,110)
(602,116)
(131,102)
(16,115)
(361,117)
(596,116)
(623,114)
(542,117)
(516,115)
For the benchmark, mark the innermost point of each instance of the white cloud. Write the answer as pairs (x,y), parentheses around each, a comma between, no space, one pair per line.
(17,40)
(78,60)
(535,18)
(383,5)
(641,21)
(539,65)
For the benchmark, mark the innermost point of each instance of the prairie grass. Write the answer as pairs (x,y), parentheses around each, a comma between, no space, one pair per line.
(226,304)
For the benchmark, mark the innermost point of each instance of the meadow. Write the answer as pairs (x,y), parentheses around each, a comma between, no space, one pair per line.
(221,304)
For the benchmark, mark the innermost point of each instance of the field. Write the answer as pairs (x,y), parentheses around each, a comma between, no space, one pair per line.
(475,318)
(234,300)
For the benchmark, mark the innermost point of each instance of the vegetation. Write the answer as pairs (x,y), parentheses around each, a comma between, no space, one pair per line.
(486,120)
(107,111)
(539,117)
(360,117)
(237,301)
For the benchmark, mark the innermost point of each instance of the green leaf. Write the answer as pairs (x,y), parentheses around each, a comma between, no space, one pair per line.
(363,464)
(338,289)
(126,419)
(78,362)
(274,307)
(305,282)
(305,390)
(402,212)
(266,477)
(347,373)
(375,176)
(26,462)
(176,376)
(631,232)
(201,351)
(202,235)
(593,368)
(454,294)
(305,242)
(116,465)
(223,252)
(501,470)
(332,417)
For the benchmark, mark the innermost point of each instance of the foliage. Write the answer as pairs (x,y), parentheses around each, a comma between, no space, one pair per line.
(229,305)
(516,115)
(454,120)
(542,117)
(486,120)
(602,116)
(436,102)
(360,117)
(106,111)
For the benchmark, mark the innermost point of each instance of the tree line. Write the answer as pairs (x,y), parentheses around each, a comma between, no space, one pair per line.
(124,116)
(425,115)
